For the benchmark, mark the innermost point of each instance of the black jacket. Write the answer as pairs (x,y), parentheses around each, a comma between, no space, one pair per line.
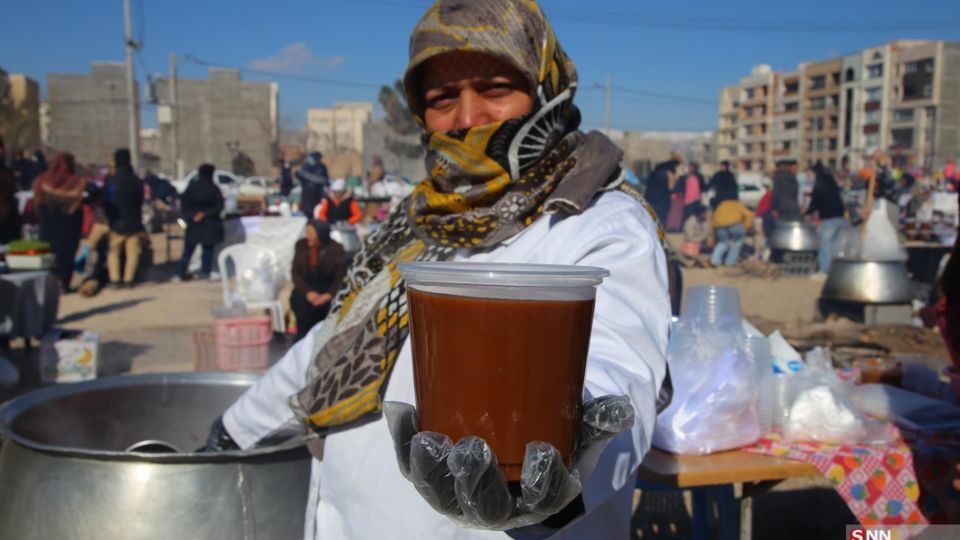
(826,200)
(785,197)
(203,196)
(123,201)
(724,186)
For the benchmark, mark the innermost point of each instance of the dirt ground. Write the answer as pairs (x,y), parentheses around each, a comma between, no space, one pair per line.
(151,328)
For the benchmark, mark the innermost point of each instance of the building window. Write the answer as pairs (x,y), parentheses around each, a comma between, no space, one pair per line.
(875,93)
(903,115)
(875,71)
(903,138)
(816,124)
(750,93)
(818,82)
(871,140)
(850,75)
(919,66)
(818,103)
(792,124)
(872,117)
(793,106)
(791,87)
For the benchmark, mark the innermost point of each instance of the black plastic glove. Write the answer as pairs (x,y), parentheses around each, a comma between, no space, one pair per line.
(218,440)
(464,482)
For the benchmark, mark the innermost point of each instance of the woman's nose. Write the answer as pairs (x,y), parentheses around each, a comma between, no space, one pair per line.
(472,110)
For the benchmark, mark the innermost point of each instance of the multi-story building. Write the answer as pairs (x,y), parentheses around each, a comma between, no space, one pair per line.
(728,124)
(902,97)
(24,132)
(820,111)
(339,129)
(89,114)
(754,123)
(786,129)
(216,119)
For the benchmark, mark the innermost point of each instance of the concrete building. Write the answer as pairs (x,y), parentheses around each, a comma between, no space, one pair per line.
(786,117)
(728,124)
(640,152)
(820,111)
(215,119)
(902,97)
(89,116)
(755,119)
(339,129)
(924,110)
(402,154)
(25,98)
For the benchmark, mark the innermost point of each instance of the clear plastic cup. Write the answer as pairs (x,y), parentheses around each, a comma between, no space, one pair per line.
(710,304)
(500,350)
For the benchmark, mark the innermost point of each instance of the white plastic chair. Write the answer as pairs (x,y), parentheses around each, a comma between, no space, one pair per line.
(245,257)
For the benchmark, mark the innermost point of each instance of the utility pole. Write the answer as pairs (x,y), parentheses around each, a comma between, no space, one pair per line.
(174,120)
(608,105)
(129,44)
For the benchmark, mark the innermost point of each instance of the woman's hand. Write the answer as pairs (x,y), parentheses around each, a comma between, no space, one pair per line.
(464,482)
(198,217)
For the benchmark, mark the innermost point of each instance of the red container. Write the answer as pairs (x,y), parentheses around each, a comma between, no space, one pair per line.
(243,342)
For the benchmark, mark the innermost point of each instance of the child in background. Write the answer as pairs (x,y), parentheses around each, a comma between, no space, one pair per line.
(695,231)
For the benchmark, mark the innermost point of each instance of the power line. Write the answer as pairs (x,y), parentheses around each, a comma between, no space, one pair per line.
(301,78)
(658,95)
(721,24)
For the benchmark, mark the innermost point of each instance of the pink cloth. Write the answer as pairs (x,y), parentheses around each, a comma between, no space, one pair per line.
(692,190)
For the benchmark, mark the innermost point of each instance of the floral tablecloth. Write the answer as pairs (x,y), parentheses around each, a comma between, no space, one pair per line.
(908,482)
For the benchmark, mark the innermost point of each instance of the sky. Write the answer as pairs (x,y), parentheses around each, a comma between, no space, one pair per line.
(666,61)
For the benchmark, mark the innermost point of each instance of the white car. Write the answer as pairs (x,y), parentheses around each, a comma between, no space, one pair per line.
(752,187)
(258,186)
(225,180)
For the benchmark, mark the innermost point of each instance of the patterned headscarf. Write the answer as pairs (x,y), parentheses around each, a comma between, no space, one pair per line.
(485,184)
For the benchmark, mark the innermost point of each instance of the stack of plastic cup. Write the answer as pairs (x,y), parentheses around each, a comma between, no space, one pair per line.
(759,349)
(713,305)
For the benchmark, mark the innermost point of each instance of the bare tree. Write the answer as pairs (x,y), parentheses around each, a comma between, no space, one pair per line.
(395,106)
(14,118)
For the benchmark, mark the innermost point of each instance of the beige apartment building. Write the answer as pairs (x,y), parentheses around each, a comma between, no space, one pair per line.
(338,129)
(902,97)
(25,96)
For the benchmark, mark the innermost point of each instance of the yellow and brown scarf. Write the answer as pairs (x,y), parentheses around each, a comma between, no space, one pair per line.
(485,185)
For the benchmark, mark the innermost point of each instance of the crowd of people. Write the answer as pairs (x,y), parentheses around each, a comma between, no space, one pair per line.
(713,219)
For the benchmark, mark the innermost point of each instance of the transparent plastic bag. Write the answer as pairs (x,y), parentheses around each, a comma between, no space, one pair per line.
(260,282)
(881,242)
(715,388)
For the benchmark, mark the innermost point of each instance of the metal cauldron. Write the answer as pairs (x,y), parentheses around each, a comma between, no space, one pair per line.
(868,282)
(794,236)
(64,472)
(346,236)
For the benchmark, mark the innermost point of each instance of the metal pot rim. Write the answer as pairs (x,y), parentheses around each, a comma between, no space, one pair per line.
(13,408)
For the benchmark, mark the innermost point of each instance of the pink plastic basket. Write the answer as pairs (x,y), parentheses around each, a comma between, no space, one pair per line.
(243,343)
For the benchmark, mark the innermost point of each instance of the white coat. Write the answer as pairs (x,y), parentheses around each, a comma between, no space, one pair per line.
(357,491)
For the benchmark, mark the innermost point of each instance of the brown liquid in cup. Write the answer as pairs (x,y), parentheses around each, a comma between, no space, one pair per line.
(509,371)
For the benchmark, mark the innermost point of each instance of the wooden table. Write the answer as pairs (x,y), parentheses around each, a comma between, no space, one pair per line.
(729,478)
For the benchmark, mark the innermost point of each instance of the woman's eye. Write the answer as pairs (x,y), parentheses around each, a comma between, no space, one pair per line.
(439,101)
(498,90)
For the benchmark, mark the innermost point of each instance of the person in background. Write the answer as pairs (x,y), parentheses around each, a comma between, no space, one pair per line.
(23,171)
(201,205)
(318,268)
(785,200)
(286,177)
(57,196)
(724,186)
(695,231)
(659,185)
(950,171)
(827,205)
(731,222)
(373,182)
(339,206)
(693,188)
(123,205)
(314,180)
(9,209)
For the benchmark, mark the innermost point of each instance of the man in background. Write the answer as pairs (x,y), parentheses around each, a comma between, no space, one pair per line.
(123,204)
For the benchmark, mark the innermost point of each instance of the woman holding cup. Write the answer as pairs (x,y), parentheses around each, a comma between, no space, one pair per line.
(511,180)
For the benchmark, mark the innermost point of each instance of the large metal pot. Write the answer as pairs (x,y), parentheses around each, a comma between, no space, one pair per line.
(794,236)
(64,472)
(868,282)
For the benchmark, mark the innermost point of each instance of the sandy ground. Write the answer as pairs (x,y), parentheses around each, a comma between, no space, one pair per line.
(151,329)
